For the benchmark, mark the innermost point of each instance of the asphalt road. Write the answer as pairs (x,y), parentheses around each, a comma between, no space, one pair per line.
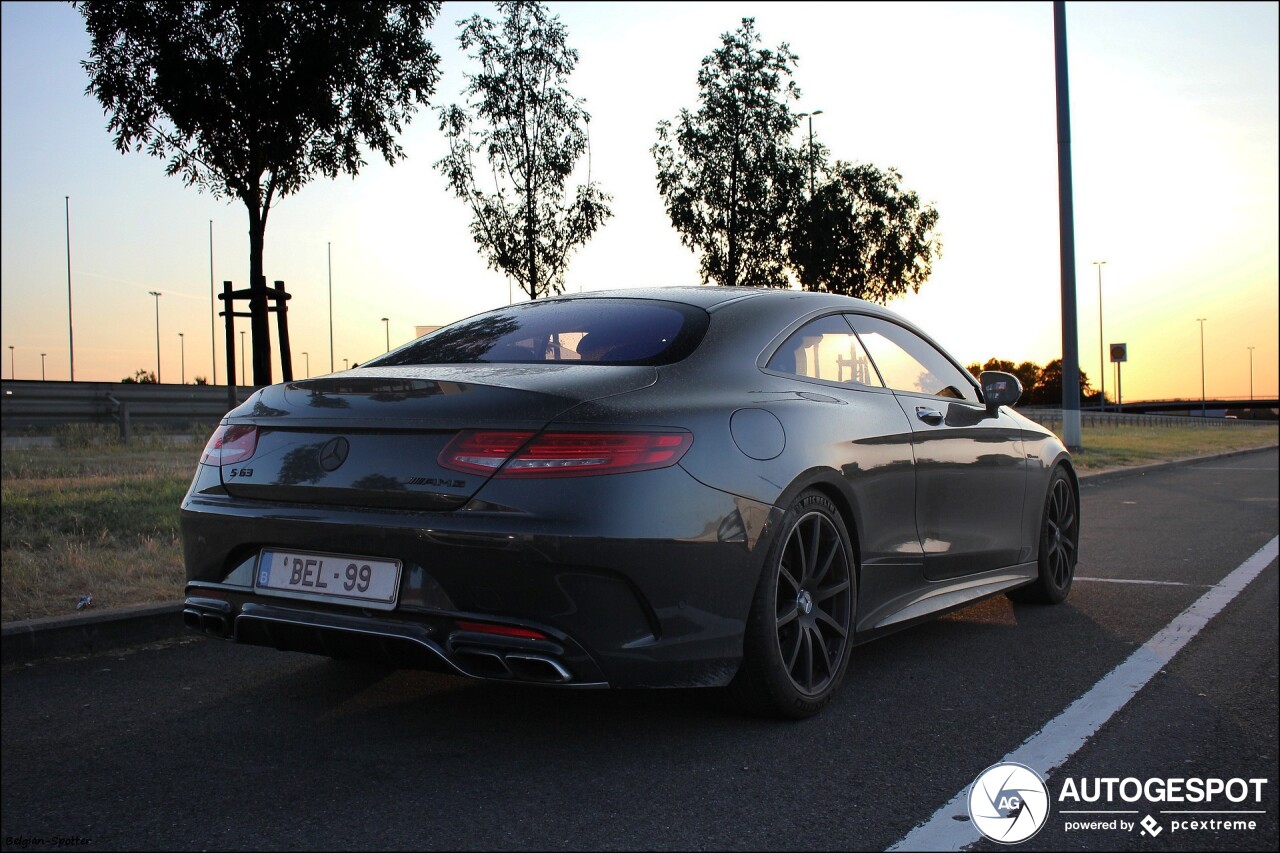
(199,744)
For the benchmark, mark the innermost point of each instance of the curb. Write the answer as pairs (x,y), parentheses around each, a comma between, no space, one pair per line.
(86,633)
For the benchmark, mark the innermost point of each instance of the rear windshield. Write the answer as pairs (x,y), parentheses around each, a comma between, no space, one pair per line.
(591,331)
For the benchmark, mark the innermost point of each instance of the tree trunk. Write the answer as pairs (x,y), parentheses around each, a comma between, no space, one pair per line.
(259,328)
(530,236)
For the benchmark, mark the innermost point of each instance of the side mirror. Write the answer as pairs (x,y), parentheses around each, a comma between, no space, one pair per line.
(999,389)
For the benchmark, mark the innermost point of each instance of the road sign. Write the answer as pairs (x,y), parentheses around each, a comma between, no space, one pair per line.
(1119,352)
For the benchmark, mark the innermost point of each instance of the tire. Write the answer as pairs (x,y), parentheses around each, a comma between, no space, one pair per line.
(799,631)
(1059,544)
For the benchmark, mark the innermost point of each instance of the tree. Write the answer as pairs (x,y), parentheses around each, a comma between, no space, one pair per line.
(862,234)
(729,176)
(141,376)
(1048,390)
(1041,386)
(1028,372)
(251,99)
(532,132)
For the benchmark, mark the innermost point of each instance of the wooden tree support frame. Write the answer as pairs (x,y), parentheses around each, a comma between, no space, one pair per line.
(280,308)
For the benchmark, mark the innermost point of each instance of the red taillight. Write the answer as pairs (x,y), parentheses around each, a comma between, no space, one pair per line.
(501,630)
(508,455)
(229,444)
(481,451)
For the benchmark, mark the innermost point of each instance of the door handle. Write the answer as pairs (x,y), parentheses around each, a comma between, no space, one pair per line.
(929,416)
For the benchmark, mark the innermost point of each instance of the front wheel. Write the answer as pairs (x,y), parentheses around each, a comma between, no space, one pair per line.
(799,630)
(1059,542)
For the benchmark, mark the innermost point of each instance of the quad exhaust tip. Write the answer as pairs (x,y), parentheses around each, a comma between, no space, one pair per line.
(197,618)
(522,666)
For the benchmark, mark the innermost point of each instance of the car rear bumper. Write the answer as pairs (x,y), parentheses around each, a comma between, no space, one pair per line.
(652,591)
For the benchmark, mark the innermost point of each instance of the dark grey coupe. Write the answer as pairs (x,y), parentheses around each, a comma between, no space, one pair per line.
(696,486)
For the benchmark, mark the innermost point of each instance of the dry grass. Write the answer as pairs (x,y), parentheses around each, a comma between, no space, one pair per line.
(93,520)
(102,520)
(1106,448)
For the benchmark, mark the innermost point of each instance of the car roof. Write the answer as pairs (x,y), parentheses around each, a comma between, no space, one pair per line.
(714,297)
(707,296)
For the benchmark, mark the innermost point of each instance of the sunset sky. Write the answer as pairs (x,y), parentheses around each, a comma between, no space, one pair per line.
(1175,148)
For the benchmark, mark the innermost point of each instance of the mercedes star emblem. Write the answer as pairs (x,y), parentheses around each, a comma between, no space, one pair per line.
(334,453)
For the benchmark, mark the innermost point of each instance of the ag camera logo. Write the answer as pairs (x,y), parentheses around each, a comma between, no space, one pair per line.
(1008,802)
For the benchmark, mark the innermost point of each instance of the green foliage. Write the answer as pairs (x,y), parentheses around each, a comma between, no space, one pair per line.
(729,176)
(1041,386)
(201,380)
(862,234)
(250,100)
(734,186)
(524,122)
(141,376)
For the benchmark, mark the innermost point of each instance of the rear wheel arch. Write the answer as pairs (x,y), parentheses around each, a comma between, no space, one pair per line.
(836,489)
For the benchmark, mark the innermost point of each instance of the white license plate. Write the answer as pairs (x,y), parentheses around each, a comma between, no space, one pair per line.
(340,578)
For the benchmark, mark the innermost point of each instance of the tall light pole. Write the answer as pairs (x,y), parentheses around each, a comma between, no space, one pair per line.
(330,245)
(71,337)
(386,326)
(811,157)
(1201,320)
(42,366)
(1250,349)
(1066,238)
(345,362)
(307,356)
(156,294)
(242,376)
(213,310)
(1102,363)
(12,375)
(182,348)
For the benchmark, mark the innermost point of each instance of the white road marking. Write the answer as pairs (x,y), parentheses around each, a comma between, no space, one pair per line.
(1050,747)
(1126,580)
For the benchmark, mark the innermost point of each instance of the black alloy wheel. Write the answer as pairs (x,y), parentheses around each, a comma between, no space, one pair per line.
(1059,544)
(796,648)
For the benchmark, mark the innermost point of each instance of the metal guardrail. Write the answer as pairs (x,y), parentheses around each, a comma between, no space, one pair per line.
(26,404)
(1052,419)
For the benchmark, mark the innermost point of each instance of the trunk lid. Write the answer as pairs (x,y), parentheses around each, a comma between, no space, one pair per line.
(371,437)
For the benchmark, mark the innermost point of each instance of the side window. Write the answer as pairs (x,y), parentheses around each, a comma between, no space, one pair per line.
(909,363)
(826,349)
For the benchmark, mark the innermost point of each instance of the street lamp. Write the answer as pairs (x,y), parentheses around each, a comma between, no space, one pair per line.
(1102,364)
(344,364)
(307,356)
(1250,349)
(71,336)
(330,245)
(811,159)
(156,294)
(213,310)
(11,374)
(41,367)
(242,376)
(1201,320)
(386,325)
(182,348)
